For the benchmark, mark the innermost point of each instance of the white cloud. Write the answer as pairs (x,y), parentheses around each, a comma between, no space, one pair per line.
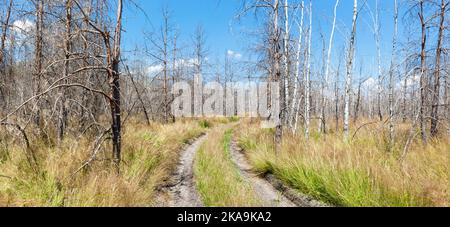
(234,54)
(370,82)
(154,69)
(22,26)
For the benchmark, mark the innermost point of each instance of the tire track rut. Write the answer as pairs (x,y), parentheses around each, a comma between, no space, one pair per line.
(183,192)
(268,195)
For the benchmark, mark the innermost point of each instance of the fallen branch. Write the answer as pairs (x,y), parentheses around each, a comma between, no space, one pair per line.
(97,145)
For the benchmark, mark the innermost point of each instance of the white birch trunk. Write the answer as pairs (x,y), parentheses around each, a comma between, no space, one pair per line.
(348,80)
(377,30)
(286,52)
(327,69)
(308,77)
(296,100)
(391,75)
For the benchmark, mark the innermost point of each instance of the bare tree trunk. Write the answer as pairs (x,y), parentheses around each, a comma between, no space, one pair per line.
(308,77)
(277,71)
(437,75)
(296,100)
(404,94)
(286,54)
(447,97)
(348,80)
(336,98)
(377,31)
(62,119)
(165,63)
(3,37)
(199,44)
(114,84)
(3,98)
(422,74)
(139,96)
(358,103)
(327,70)
(38,55)
(391,76)
(174,68)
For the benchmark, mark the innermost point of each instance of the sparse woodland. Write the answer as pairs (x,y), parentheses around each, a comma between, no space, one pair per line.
(82,123)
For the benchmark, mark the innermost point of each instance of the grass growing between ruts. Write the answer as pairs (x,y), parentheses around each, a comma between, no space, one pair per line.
(149,153)
(218,180)
(356,173)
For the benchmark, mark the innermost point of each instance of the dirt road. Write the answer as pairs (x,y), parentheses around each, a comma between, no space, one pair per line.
(183,193)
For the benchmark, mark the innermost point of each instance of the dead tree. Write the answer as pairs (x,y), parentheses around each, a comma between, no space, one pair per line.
(392,71)
(437,72)
(308,77)
(112,49)
(277,77)
(296,100)
(336,96)
(348,80)
(38,55)
(200,52)
(5,26)
(62,118)
(113,59)
(422,72)
(327,71)
(286,61)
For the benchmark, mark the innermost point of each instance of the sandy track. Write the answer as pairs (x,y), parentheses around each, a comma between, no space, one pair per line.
(268,195)
(183,192)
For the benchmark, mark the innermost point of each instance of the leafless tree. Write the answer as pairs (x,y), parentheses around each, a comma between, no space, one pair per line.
(348,80)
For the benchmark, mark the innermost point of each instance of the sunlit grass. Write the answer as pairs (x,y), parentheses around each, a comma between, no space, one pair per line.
(364,171)
(218,180)
(149,153)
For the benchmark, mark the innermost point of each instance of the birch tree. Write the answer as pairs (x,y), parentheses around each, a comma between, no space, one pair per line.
(286,52)
(308,77)
(393,71)
(296,101)
(327,70)
(349,73)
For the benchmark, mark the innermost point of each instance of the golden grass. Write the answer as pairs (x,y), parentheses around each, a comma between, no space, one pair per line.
(217,178)
(149,154)
(361,172)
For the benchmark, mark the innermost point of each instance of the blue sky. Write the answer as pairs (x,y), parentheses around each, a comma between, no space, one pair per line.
(224,33)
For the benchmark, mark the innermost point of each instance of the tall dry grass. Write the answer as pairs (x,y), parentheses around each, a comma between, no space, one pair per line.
(150,153)
(365,171)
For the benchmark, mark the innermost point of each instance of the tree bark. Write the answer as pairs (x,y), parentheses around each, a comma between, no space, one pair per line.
(114,84)
(422,73)
(296,100)
(62,119)
(38,56)
(377,31)
(437,74)
(391,76)
(348,80)
(308,78)
(3,79)
(327,70)
(277,55)
(286,56)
